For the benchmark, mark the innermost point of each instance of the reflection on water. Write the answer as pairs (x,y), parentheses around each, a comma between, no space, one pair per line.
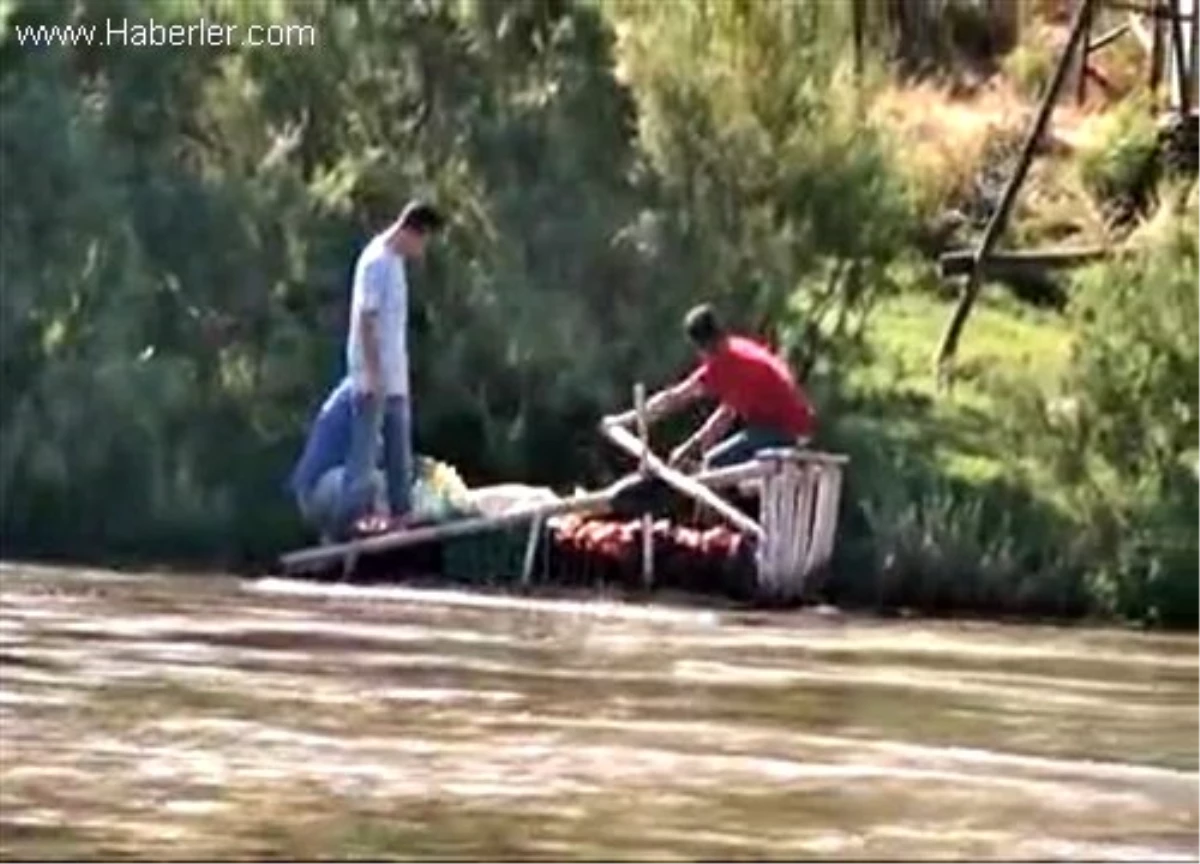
(181,717)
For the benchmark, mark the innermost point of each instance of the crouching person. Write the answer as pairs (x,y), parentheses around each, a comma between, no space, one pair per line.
(317,482)
(751,384)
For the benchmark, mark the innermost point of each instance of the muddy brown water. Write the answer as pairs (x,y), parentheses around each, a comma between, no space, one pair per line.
(177,717)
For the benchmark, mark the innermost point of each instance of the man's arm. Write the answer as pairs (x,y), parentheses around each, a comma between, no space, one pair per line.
(663,402)
(707,435)
(374,286)
(367,320)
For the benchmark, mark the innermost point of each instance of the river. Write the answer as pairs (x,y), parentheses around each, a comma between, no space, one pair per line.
(160,717)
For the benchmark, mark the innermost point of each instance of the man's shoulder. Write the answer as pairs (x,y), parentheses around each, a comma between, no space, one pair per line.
(746,346)
(374,250)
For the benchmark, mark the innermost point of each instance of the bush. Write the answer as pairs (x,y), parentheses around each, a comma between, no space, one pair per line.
(1114,443)
(1030,66)
(1117,158)
(914,536)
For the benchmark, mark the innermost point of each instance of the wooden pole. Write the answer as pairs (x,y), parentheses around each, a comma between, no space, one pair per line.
(999,219)
(531,545)
(629,443)
(1182,78)
(639,403)
(1194,71)
(1105,39)
(1156,52)
(858,26)
(1085,49)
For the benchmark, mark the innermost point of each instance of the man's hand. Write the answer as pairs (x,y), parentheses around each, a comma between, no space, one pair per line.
(681,453)
(370,346)
(611,420)
(371,385)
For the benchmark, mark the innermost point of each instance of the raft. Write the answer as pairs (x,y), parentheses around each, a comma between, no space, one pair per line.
(646,532)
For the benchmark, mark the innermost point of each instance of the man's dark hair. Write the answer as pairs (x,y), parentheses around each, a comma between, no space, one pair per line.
(702,327)
(421,217)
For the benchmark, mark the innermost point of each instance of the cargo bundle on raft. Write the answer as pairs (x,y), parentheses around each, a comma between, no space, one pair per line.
(635,534)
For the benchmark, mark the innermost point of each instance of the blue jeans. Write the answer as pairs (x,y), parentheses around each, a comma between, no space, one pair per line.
(370,416)
(742,446)
(321,506)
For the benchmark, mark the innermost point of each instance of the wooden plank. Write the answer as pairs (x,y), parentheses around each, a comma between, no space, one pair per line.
(685,484)
(1111,36)
(319,555)
(1144,37)
(959,263)
(1153,10)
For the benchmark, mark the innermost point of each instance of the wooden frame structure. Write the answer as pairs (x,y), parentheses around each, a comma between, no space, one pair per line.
(1168,15)
(800,492)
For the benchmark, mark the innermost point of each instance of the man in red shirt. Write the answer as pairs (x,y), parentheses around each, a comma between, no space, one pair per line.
(749,381)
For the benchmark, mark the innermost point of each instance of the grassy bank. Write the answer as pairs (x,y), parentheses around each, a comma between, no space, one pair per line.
(1057,476)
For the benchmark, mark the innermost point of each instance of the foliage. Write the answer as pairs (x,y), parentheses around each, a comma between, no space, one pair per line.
(175,271)
(1116,160)
(1030,66)
(1117,438)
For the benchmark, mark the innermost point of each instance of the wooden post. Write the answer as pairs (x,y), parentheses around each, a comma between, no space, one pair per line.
(1156,53)
(1081,65)
(1194,33)
(1182,77)
(639,404)
(858,26)
(999,219)
(531,545)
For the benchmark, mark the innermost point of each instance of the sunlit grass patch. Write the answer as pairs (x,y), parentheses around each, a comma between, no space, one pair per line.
(1002,336)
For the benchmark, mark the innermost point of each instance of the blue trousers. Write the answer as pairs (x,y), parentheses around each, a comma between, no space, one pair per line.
(742,446)
(321,506)
(377,420)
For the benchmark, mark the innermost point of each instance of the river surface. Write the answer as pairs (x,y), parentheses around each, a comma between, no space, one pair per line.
(177,717)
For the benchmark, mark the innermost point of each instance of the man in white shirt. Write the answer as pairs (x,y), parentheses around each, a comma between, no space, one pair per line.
(377,365)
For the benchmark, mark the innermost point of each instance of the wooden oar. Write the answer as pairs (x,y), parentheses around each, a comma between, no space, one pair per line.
(628,442)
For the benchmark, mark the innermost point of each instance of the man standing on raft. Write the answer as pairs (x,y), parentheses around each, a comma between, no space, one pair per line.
(377,366)
(337,484)
(749,381)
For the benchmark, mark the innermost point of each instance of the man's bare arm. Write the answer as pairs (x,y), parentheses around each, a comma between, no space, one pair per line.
(662,403)
(706,436)
(367,320)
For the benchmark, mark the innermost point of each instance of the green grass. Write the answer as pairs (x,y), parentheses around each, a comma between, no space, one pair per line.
(961,427)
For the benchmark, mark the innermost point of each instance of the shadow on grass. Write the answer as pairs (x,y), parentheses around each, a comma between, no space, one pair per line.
(919,532)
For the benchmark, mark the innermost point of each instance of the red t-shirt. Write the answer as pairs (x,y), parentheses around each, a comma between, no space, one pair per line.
(746,376)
